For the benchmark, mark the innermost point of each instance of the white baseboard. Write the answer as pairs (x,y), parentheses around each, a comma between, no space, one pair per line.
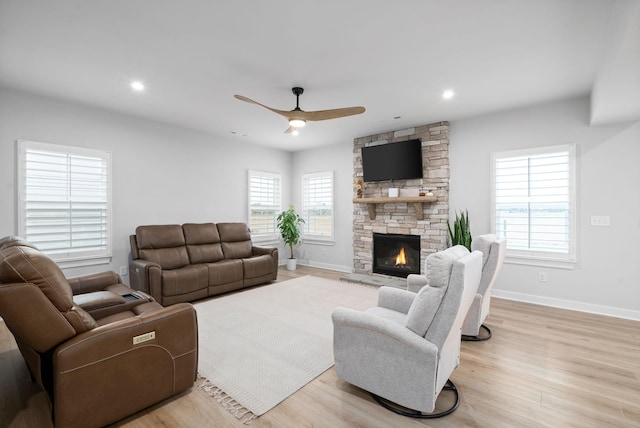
(567,304)
(339,268)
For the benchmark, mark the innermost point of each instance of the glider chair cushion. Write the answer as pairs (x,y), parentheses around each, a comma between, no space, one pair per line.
(403,350)
(493,252)
(99,350)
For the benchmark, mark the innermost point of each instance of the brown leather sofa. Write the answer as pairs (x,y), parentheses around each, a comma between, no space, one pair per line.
(182,263)
(99,350)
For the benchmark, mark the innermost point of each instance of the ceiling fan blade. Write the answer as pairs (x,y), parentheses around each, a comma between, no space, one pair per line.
(284,113)
(326,114)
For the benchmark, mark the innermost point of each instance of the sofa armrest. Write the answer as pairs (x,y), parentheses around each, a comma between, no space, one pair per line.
(137,362)
(146,276)
(93,282)
(259,251)
(396,299)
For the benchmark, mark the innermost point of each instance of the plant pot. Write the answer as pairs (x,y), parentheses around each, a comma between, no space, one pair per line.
(291,264)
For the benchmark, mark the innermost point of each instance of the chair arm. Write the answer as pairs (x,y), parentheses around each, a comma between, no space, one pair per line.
(395,299)
(146,276)
(416,282)
(106,371)
(93,282)
(386,332)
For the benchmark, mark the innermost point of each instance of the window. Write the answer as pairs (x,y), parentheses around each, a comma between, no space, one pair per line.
(317,206)
(64,202)
(264,205)
(534,204)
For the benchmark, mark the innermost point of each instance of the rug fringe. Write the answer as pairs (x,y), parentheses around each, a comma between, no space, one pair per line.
(240,412)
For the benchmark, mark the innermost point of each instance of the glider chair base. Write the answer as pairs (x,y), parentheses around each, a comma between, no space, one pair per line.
(478,338)
(396,408)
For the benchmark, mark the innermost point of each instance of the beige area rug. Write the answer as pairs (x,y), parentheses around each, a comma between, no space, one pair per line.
(259,346)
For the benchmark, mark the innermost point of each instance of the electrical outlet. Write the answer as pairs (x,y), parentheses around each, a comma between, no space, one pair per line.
(542,276)
(123,270)
(600,220)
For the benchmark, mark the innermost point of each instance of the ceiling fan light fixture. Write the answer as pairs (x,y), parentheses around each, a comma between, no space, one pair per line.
(297,123)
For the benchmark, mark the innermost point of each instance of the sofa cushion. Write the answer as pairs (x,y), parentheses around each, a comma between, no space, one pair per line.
(163,244)
(236,240)
(225,272)
(258,266)
(184,280)
(203,242)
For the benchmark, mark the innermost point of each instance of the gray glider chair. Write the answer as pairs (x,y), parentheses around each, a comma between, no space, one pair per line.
(404,350)
(493,251)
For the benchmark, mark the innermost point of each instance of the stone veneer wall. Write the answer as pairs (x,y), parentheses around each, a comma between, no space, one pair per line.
(400,217)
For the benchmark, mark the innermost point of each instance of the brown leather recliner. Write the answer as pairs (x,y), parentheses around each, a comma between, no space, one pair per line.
(100,350)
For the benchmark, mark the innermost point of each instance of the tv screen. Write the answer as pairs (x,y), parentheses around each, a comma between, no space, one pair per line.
(393,161)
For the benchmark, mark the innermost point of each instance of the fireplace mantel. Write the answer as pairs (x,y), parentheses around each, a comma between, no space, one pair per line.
(417,202)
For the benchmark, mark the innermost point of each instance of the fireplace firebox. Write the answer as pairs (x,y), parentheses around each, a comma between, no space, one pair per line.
(396,255)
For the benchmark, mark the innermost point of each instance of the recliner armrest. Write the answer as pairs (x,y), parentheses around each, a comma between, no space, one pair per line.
(93,282)
(396,299)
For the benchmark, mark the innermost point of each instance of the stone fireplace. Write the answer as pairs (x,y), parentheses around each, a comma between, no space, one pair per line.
(396,255)
(377,213)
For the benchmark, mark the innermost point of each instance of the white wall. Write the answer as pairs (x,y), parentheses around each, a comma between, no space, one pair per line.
(164,174)
(607,276)
(339,159)
(161,174)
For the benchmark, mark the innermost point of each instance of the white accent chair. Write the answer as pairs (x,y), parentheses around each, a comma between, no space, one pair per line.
(404,350)
(493,251)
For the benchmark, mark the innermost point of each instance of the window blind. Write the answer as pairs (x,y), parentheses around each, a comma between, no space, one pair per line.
(264,204)
(534,200)
(65,200)
(317,205)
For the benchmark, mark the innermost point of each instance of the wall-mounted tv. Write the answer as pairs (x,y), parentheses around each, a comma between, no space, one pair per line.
(392,161)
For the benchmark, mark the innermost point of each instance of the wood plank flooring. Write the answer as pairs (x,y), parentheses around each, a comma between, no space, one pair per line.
(544,367)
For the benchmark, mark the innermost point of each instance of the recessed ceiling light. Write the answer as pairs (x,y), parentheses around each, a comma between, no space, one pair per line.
(137,86)
(448,94)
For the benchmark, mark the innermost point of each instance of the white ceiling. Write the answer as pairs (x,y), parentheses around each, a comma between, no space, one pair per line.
(393,57)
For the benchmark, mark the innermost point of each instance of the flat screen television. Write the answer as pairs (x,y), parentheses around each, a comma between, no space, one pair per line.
(392,161)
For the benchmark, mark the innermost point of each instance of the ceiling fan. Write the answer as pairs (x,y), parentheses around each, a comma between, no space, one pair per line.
(298,117)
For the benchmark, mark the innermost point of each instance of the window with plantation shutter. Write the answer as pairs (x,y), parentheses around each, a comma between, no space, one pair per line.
(64,203)
(317,206)
(534,204)
(264,205)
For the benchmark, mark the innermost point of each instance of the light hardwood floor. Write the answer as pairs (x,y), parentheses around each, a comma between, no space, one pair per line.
(544,367)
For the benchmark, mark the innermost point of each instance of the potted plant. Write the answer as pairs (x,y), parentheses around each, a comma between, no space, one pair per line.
(289,223)
(461,233)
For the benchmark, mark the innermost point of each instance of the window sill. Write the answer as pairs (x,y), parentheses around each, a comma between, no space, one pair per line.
(540,261)
(312,241)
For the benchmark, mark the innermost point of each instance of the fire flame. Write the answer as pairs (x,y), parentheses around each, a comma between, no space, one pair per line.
(401,258)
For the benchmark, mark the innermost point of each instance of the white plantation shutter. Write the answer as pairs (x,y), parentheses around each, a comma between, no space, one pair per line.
(317,205)
(534,202)
(264,205)
(64,201)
